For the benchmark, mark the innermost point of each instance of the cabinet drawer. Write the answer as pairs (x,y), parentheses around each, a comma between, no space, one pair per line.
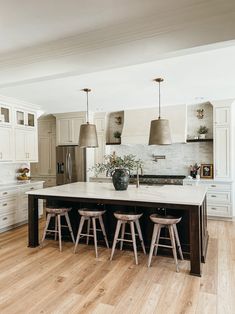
(219,187)
(7,220)
(8,205)
(219,210)
(6,193)
(219,197)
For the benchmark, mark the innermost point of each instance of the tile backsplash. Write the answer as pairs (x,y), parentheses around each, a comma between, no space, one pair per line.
(178,157)
(9,171)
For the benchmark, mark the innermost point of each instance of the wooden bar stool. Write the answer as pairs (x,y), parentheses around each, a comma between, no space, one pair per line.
(57,213)
(122,220)
(91,215)
(170,223)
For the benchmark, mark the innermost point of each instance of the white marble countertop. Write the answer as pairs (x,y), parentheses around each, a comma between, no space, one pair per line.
(169,194)
(17,184)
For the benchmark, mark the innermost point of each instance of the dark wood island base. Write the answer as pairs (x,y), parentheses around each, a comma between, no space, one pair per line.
(192,229)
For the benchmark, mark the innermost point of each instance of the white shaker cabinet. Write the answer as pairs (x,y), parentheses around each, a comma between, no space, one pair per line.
(6,144)
(68,128)
(26,145)
(222,143)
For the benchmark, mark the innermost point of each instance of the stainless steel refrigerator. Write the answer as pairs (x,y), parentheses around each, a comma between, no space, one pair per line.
(70,164)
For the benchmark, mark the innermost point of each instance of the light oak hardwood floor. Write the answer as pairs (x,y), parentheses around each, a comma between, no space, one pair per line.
(47,281)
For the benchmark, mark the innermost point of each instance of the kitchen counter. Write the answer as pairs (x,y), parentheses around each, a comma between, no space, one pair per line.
(15,184)
(170,194)
(185,201)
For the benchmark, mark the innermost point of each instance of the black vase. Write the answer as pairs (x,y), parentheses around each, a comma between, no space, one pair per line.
(120,179)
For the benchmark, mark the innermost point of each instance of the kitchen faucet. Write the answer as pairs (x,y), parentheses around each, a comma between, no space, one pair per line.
(137,174)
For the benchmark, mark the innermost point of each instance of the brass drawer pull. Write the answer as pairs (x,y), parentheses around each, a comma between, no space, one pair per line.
(213,185)
(5,204)
(4,193)
(213,196)
(213,208)
(5,218)
(31,188)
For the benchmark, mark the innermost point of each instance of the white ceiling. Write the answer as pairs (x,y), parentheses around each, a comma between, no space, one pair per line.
(52,48)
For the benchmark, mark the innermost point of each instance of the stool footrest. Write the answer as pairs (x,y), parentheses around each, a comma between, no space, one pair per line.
(124,240)
(162,245)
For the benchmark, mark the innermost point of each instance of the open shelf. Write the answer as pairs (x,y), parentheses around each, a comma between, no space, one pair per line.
(199,140)
(113,143)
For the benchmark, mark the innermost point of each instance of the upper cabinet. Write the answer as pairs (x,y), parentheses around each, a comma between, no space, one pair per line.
(5,115)
(24,118)
(221,116)
(26,145)
(6,144)
(68,127)
(18,131)
(222,141)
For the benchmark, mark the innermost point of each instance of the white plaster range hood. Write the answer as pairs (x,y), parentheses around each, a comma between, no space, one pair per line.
(137,124)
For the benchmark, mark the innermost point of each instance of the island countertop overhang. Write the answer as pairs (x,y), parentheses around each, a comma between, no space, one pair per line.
(167,194)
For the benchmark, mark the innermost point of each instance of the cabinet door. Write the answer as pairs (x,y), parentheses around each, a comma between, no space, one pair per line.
(221,116)
(64,131)
(6,152)
(222,152)
(20,145)
(44,158)
(31,146)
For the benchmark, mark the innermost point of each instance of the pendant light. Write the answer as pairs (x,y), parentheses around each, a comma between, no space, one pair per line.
(160,130)
(88,134)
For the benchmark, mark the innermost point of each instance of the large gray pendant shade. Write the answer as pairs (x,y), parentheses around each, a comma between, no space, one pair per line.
(88,135)
(160,129)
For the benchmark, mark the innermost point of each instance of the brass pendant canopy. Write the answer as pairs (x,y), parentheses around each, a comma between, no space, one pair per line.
(160,129)
(88,135)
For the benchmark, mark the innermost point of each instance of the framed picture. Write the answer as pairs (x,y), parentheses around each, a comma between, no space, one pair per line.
(206,171)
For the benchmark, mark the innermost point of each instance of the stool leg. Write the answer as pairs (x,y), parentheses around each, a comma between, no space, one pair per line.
(171,231)
(70,227)
(59,229)
(115,238)
(88,230)
(154,237)
(103,231)
(157,239)
(140,235)
(134,241)
(46,227)
(79,232)
(178,241)
(122,234)
(95,237)
(56,228)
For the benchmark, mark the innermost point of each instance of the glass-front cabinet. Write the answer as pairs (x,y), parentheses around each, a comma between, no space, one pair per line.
(5,115)
(24,118)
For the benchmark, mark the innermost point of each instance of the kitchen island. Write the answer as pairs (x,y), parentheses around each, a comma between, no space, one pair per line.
(186,201)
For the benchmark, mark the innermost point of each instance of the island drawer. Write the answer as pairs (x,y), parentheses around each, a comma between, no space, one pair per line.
(219,210)
(219,197)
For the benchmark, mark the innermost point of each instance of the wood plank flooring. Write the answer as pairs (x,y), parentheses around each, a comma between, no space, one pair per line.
(47,281)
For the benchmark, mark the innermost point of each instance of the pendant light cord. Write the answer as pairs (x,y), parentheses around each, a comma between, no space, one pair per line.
(159,100)
(87,108)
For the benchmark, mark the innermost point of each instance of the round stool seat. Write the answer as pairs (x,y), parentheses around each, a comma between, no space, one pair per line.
(57,210)
(86,212)
(164,220)
(127,216)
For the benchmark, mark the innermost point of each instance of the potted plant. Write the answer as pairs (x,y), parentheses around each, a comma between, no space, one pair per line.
(119,168)
(202,131)
(117,136)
